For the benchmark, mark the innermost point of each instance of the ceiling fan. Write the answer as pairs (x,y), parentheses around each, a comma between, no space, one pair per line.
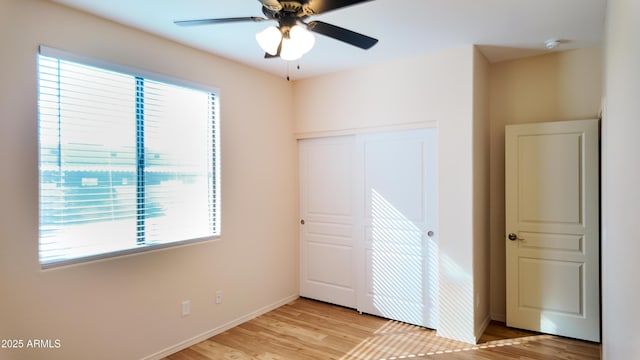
(292,37)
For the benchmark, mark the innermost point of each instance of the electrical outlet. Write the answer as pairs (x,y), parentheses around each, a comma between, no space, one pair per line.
(218,296)
(186,307)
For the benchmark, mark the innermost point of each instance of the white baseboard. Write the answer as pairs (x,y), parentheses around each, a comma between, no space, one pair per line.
(220,329)
(499,317)
(482,328)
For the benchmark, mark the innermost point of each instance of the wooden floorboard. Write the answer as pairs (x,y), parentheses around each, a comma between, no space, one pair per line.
(308,329)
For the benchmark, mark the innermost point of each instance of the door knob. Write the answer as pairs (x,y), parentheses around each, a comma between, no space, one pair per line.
(514,236)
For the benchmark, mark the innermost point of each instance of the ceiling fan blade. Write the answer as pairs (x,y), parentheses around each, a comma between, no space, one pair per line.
(218,21)
(321,6)
(350,37)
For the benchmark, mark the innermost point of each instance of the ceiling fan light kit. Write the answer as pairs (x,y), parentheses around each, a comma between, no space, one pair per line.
(269,39)
(292,38)
(291,42)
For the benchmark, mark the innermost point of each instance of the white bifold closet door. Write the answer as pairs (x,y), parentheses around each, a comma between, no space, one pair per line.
(368,223)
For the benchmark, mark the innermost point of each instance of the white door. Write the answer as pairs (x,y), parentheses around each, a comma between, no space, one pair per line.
(552,228)
(327,269)
(397,203)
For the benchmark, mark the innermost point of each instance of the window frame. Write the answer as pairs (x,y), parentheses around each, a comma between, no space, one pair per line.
(149,75)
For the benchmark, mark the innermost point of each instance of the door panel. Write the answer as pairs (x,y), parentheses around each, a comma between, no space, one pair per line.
(551,172)
(552,242)
(551,285)
(398,182)
(552,218)
(318,270)
(327,270)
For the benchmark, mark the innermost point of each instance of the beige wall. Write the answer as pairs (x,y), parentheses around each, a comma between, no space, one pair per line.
(481,200)
(621,198)
(558,86)
(415,92)
(129,308)
(424,91)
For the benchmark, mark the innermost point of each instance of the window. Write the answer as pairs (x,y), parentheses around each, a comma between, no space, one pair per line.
(127,162)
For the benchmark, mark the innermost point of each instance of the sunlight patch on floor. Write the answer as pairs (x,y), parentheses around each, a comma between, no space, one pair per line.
(395,340)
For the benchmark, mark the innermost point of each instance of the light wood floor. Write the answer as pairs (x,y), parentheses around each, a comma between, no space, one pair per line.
(308,329)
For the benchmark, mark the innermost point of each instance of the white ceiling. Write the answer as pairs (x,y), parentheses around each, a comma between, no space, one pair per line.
(504,29)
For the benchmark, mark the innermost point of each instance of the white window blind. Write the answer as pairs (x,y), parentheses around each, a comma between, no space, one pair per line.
(127,163)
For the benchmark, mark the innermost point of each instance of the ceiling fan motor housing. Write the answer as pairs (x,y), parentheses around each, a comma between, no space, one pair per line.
(290,13)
